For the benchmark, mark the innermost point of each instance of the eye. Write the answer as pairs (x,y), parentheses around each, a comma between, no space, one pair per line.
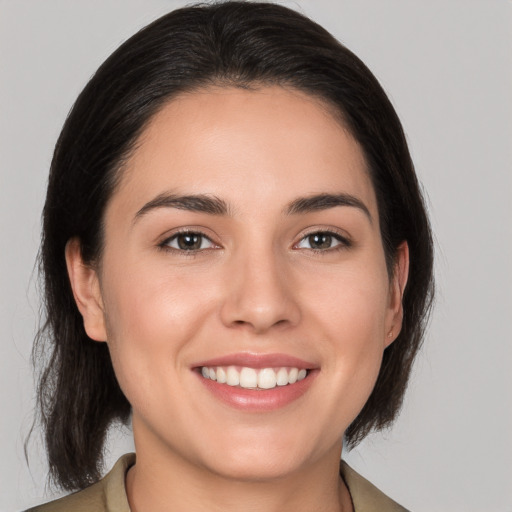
(322,241)
(188,241)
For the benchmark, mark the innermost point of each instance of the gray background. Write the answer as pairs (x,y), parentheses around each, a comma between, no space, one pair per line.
(446,65)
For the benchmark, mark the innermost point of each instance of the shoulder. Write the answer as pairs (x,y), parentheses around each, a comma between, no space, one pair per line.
(107,495)
(365,496)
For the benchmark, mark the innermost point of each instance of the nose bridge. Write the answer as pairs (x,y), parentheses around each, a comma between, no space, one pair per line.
(259,294)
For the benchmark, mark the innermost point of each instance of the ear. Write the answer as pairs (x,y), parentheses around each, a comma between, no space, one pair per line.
(397,288)
(86,291)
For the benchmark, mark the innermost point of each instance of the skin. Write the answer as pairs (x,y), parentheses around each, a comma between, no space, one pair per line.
(256,286)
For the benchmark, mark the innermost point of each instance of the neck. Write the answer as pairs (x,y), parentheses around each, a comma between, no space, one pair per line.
(163,480)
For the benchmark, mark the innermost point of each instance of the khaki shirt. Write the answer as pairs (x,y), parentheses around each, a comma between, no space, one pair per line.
(109,494)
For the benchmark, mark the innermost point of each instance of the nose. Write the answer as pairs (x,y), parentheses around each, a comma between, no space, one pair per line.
(259,294)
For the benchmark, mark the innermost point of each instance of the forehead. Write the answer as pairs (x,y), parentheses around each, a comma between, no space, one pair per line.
(271,144)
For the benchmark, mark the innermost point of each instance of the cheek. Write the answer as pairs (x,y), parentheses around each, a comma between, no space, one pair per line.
(349,311)
(151,315)
(351,301)
(150,300)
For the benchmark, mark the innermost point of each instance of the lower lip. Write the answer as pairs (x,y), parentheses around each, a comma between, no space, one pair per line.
(259,400)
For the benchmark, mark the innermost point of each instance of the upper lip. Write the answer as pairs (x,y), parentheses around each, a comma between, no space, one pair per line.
(258,361)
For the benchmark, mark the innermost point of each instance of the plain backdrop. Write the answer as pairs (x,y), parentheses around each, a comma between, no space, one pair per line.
(447,66)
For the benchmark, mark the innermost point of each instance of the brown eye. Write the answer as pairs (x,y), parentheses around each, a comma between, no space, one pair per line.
(189,241)
(320,241)
(323,241)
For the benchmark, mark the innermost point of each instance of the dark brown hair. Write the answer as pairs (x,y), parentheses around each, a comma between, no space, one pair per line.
(238,44)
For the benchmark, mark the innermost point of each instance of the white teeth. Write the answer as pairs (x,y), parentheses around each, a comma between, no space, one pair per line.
(221,376)
(250,378)
(267,378)
(282,377)
(233,377)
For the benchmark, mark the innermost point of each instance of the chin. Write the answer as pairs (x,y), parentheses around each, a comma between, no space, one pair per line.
(266,458)
(264,468)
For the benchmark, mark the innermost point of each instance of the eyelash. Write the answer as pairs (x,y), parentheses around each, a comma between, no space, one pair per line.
(165,245)
(343,242)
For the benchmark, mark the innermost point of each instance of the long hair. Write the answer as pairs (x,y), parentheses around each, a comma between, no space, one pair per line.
(235,44)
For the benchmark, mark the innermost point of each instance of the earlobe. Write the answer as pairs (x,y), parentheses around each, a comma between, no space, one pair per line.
(398,284)
(86,291)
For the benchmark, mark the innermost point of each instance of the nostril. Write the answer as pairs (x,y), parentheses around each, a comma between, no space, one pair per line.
(260,326)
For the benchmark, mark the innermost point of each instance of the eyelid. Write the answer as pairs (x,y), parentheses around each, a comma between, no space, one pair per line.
(340,235)
(344,239)
(192,230)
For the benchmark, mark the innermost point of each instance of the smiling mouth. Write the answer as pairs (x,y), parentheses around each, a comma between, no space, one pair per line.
(252,378)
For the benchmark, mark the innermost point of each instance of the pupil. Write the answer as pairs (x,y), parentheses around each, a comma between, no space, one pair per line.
(320,241)
(189,241)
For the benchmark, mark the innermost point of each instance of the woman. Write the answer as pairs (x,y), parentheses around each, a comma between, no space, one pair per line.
(236,254)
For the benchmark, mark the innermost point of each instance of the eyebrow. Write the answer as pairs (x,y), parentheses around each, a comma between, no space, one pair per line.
(194,203)
(213,205)
(324,202)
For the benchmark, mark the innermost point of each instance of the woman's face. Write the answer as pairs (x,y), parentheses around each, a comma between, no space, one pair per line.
(242,252)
